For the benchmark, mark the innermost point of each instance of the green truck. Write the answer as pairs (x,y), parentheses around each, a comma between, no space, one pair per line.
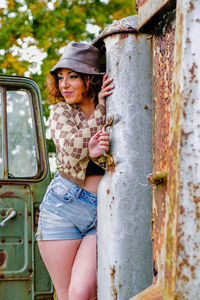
(24,176)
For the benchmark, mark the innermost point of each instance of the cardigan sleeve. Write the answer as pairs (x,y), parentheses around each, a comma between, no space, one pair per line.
(72,140)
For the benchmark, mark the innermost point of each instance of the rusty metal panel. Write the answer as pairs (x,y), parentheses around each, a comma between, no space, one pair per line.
(176,244)
(124,206)
(183,235)
(147,9)
(163,64)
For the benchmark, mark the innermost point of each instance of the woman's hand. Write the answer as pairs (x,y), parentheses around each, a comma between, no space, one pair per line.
(105,90)
(98,143)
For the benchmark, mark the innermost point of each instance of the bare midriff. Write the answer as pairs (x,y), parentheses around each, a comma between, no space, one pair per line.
(91,183)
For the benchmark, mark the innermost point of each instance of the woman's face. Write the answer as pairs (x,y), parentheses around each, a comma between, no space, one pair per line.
(71,86)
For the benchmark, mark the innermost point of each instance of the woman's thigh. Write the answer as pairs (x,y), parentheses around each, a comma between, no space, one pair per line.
(83,278)
(59,257)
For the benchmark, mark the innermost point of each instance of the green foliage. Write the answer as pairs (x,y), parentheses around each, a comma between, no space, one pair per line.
(50,25)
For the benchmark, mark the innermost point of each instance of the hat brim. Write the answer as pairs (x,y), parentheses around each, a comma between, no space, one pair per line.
(76,66)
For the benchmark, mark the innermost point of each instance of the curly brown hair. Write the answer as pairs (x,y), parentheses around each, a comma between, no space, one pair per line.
(92,89)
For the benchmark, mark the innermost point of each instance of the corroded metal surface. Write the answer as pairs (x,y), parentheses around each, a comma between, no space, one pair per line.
(163,62)
(123,27)
(124,196)
(148,9)
(183,234)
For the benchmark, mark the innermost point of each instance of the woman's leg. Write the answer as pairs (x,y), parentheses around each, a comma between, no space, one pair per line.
(83,283)
(58,257)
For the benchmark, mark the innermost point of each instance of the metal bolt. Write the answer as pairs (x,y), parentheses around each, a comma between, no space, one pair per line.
(157,177)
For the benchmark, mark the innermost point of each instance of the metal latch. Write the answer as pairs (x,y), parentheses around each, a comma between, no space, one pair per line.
(109,156)
(11,214)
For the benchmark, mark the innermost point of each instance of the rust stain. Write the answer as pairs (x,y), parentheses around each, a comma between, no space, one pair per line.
(3,258)
(182,210)
(112,275)
(123,36)
(197,211)
(111,168)
(8,194)
(192,71)
(36,217)
(186,134)
(191,5)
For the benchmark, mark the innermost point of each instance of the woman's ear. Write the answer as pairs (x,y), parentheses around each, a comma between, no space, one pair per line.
(87,83)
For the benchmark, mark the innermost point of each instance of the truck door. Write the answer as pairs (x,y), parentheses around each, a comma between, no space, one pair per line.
(24,176)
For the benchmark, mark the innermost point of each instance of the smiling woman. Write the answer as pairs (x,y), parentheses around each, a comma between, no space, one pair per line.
(67,223)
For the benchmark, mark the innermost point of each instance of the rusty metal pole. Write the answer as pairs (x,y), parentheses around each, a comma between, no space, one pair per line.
(125,197)
(182,271)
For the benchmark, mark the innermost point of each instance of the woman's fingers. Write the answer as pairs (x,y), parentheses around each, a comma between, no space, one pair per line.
(106,89)
(103,141)
(104,134)
(96,135)
(106,82)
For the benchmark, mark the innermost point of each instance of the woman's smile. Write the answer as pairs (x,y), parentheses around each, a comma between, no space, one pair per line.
(67,93)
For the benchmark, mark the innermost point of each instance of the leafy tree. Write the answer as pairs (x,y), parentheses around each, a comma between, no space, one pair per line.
(47,26)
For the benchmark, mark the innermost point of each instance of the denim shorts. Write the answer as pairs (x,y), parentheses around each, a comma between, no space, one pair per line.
(67,212)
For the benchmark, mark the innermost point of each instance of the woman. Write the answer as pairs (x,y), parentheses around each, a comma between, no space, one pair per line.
(67,225)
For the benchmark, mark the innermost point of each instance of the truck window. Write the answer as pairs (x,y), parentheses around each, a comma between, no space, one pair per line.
(1,142)
(20,135)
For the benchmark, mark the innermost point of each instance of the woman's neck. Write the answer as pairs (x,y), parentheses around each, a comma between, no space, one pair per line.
(87,108)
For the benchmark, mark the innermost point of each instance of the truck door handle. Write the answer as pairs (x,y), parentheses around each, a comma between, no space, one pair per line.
(11,214)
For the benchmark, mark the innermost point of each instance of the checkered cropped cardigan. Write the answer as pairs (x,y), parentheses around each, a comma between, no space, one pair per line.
(71,133)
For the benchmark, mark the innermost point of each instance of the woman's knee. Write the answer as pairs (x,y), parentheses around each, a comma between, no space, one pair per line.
(77,292)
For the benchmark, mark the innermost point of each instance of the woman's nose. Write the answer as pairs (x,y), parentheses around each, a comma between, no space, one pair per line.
(65,82)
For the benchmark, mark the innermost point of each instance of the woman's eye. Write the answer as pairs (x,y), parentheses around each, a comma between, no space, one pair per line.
(73,76)
(60,77)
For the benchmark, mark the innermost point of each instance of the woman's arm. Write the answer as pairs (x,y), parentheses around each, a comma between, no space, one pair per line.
(100,141)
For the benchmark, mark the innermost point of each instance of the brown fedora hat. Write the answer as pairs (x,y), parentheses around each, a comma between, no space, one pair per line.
(81,58)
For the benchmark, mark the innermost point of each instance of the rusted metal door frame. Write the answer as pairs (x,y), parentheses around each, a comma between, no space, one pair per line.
(178,270)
